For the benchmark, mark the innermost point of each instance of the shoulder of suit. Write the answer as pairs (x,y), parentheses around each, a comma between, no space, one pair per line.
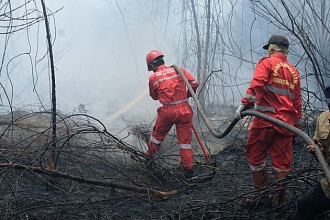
(152,76)
(263,59)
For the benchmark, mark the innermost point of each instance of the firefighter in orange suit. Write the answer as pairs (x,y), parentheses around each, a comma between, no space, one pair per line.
(168,87)
(274,91)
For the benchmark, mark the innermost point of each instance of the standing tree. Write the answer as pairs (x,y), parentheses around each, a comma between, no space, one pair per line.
(202,35)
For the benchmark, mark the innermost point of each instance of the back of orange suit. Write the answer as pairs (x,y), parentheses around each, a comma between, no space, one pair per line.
(168,87)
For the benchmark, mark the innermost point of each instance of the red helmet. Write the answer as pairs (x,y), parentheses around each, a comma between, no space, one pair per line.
(153,54)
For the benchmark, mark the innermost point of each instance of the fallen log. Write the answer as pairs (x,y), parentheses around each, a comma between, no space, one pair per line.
(54,173)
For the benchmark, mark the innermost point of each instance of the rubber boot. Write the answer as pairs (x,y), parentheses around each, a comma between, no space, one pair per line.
(188,174)
(260,179)
(260,182)
(280,189)
(186,158)
(187,162)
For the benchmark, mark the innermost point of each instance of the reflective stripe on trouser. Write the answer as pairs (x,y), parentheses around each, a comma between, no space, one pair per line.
(263,140)
(278,197)
(186,154)
(260,178)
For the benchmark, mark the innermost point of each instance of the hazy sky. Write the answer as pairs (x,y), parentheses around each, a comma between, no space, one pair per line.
(103,65)
(99,51)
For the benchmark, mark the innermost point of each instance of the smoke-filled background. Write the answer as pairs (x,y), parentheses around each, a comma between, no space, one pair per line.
(99,55)
(94,167)
(99,52)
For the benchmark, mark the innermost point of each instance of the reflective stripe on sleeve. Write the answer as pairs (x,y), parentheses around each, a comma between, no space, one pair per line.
(265,108)
(250,97)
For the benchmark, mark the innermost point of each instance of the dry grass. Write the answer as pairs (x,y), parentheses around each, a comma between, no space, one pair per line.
(93,167)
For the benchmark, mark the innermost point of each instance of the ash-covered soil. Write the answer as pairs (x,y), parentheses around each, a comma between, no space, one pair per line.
(99,176)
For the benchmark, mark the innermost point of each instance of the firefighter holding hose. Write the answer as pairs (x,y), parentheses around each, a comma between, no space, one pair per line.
(274,91)
(168,87)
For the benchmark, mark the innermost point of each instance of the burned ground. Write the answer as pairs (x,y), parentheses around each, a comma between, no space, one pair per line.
(99,176)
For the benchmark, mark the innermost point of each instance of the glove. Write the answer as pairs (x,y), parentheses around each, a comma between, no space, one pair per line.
(240,108)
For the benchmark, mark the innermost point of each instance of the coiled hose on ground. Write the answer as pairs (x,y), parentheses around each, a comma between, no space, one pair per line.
(319,155)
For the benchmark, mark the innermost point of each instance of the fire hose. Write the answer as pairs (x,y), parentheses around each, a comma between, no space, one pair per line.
(202,145)
(318,153)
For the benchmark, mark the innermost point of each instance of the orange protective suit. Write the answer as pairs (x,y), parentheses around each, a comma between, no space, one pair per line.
(275,91)
(167,86)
